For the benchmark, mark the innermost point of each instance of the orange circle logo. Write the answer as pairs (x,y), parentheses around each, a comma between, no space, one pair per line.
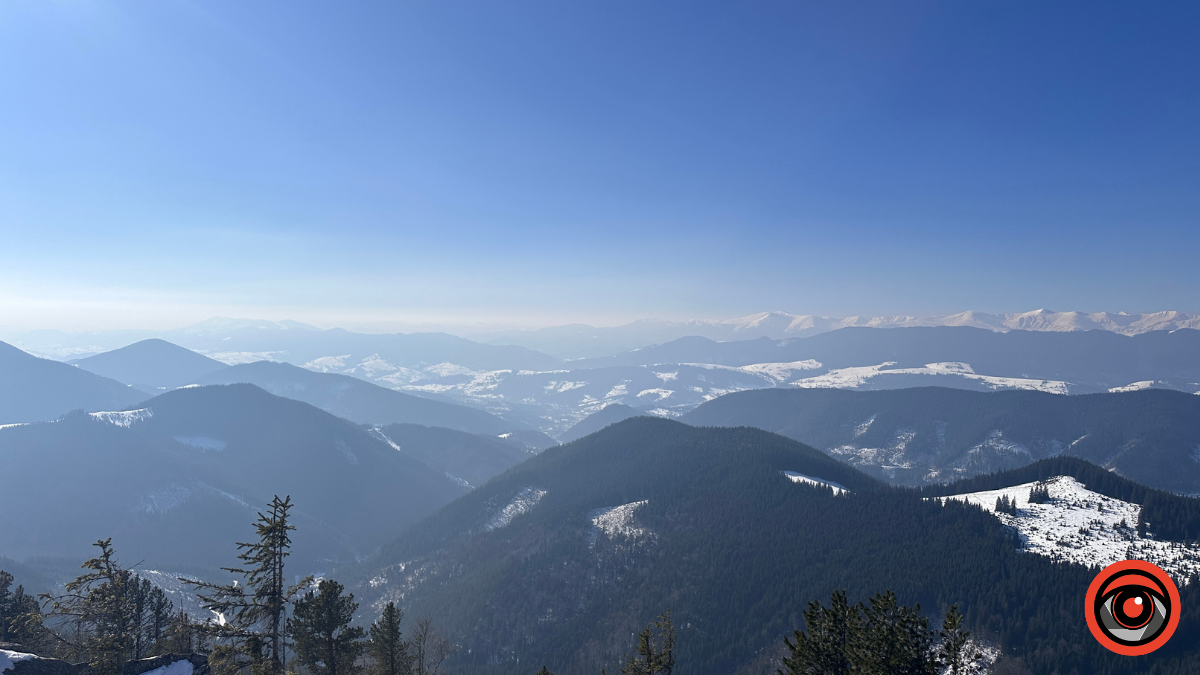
(1132,607)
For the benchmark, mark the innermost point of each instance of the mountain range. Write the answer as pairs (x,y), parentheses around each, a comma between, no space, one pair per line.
(577,341)
(561,559)
(34,389)
(177,481)
(935,435)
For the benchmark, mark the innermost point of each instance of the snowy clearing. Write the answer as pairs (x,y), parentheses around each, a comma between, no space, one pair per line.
(616,521)
(1081,526)
(819,482)
(125,418)
(525,500)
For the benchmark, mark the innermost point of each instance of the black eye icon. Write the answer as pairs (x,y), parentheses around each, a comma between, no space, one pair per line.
(1133,607)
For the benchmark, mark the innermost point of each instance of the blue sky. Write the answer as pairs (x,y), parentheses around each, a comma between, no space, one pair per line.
(385,163)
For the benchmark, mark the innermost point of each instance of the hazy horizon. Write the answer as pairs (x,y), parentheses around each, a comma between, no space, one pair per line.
(537,164)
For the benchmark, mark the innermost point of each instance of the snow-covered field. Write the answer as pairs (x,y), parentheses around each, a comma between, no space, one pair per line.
(1081,526)
(819,482)
(125,418)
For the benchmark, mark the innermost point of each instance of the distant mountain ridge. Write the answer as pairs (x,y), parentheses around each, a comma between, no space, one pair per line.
(935,435)
(33,389)
(151,365)
(583,341)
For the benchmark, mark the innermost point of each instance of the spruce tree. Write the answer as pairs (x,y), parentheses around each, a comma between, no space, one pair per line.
(324,640)
(828,644)
(389,650)
(99,605)
(956,653)
(20,614)
(251,622)
(897,638)
(654,656)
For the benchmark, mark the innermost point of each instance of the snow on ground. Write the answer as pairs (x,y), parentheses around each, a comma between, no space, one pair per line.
(125,418)
(843,378)
(1133,386)
(238,358)
(525,500)
(326,364)
(659,393)
(458,480)
(819,482)
(9,426)
(887,458)
(1085,527)
(378,433)
(8,659)
(180,667)
(616,521)
(781,372)
(202,442)
(852,378)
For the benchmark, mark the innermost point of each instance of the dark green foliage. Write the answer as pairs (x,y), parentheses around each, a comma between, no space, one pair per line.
(20,614)
(150,617)
(324,640)
(881,638)
(544,671)
(254,612)
(1006,505)
(387,647)
(655,649)
(956,653)
(1039,494)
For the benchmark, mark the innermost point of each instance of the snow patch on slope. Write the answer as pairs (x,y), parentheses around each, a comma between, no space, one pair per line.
(616,521)
(852,378)
(525,500)
(1081,526)
(1133,386)
(126,418)
(819,482)
(8,659)
(378,433)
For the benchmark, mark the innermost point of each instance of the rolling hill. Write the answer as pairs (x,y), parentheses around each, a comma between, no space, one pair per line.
(34,390)
(470,458)
(923,435)
(177,481)
(358,400)
(151,365)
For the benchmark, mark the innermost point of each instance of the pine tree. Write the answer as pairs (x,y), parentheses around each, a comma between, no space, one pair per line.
(827,646)
(99,605)
(897,638)
(252,616)
(654,656)
(956,653)
(388,649)
(320,628)
(20,614)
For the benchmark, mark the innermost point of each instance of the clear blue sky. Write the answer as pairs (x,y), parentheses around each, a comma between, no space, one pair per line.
(357,162)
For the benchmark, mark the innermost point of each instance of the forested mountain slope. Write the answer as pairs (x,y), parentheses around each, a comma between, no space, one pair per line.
(471,458)
(559,560)
(33,389)
(358,400)
(929,435)
(178,481)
